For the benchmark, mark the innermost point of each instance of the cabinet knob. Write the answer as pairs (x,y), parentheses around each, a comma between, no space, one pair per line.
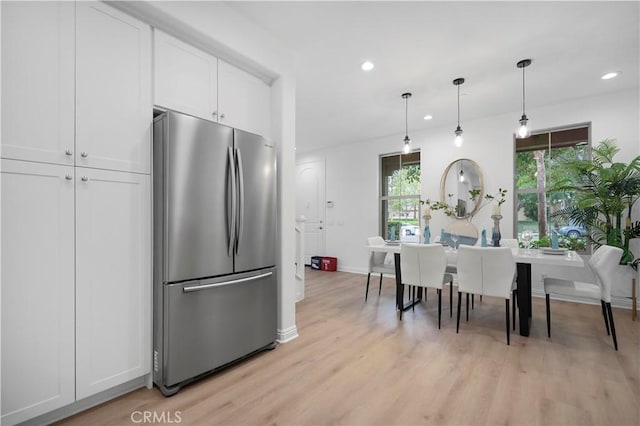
(84,154)
(68,177)
(222,116)
(84,178)
(68,152)
(214,113)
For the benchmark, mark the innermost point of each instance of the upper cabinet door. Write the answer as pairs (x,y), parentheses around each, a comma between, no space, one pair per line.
(113,89)
(37,81)
(185,78)
(244,101)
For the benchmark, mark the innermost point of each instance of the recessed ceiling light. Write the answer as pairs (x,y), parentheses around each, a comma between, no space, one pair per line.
(428,117)
(609,75)
(367,66)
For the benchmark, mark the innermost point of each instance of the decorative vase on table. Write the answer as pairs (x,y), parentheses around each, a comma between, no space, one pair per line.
(427,232)
(495,232)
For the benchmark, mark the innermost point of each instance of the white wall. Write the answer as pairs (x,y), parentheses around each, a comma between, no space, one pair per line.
(352,170)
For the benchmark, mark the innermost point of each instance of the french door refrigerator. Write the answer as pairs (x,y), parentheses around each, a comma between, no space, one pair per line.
(214,247)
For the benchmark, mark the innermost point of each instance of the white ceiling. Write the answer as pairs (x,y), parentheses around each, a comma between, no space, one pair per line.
(420,47)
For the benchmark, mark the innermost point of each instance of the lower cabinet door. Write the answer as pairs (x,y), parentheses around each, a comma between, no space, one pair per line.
(113,279)
(37,289)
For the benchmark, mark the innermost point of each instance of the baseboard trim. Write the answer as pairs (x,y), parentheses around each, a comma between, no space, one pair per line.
(287,335)
(85,404)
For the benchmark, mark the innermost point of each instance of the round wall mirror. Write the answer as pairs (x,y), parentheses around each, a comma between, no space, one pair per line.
(460,177)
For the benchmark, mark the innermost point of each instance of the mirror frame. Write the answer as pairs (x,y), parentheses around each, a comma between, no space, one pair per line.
(443,181)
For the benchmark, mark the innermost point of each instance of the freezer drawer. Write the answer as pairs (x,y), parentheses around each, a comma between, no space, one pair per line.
(210,323)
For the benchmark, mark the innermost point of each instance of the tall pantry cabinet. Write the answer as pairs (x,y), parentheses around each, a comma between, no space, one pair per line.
(76,208)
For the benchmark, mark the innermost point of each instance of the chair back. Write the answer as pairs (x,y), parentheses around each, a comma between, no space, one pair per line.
(498,270)
(470,269)
(409,264)
(603,263)
(432,261)
(376,258)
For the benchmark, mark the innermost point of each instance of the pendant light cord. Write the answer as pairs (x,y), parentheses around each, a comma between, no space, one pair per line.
(406,117)
(458,105)
(523,113)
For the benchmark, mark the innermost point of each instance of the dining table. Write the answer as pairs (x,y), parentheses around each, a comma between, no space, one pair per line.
(524,259)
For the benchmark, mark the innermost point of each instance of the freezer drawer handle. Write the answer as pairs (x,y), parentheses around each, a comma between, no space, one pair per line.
(208,286)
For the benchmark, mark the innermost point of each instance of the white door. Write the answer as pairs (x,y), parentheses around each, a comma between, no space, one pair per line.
(37,289)
(113,89)
(186,78)
(38,81)
(244,101)
(310,200)
(113,279)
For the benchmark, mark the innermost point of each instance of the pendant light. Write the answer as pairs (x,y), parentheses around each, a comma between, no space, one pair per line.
(524,130)
(458,141)
(407,141)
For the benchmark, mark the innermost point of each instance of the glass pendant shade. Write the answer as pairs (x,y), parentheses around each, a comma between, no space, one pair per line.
(407,147)
(524,127)
(459,140)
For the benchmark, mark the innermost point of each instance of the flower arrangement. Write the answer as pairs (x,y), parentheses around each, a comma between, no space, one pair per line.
(452,210)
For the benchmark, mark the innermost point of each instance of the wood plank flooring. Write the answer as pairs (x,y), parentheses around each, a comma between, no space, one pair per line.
(358,364)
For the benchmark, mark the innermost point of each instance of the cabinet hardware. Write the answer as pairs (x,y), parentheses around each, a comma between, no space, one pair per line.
(68,177)
(68,152)
(84,154)
(84,178)
(214,113)
(222,116)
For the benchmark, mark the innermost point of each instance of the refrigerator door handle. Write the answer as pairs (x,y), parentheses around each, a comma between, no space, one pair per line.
(225,283)
(240,220)
(231,209)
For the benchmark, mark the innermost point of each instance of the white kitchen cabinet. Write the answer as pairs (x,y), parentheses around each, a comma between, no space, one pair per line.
(38,321)
(185,77)
(113,276)
(38,51)
(194,82)
(244,100)
(113,89)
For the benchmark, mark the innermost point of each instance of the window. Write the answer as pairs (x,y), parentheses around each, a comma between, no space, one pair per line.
(536,169)
(400,197)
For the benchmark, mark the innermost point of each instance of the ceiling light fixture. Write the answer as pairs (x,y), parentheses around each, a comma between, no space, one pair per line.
(407,141)
(367,66)
(609,75)
(461,178)
(524,130)
(458,141)
(428,117)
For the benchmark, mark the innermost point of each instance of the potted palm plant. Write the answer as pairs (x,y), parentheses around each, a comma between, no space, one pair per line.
(604,191)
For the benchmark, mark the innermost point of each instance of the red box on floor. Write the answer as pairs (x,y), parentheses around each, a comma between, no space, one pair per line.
(329,263)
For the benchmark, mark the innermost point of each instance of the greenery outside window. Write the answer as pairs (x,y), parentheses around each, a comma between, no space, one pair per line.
(400,197)
(537,168)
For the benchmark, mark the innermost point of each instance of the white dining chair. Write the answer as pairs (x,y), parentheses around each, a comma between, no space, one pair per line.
(377,264)
(488,271)
(603,263)
(423,265)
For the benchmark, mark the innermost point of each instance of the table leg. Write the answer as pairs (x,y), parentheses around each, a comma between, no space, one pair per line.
(524,297)
(400,288)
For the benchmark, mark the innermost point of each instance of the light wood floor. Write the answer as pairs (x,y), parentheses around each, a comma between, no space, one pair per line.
(357,364)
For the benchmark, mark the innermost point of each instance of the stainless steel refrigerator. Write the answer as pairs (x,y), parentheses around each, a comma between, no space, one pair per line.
(215,283)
